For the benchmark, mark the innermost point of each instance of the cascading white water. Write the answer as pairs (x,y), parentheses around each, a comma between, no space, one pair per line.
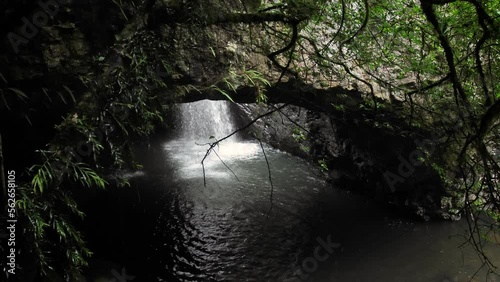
(202,123)
(206,119)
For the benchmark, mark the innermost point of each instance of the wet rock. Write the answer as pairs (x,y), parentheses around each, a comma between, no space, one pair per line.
(357,153)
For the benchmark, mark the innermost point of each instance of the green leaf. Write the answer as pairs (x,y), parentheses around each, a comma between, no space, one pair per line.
(70,93)
(3,78)
(223,93)
(213,51)
(62,97)
(44,90)
(5,101)
(20,94)
(230,85)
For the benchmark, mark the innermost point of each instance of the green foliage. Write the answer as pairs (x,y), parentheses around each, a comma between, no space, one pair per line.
(120,5)
(212,50)
(12,92)
(368,104)
(323,165)
(440,170)
(243,77)
(86,176)
(223,92)
(42,178)
(304,9)
(340,108)
(45,205)
(50,233)
(298,134)
(130,103)
(305,148)
(260,82)
(106,122)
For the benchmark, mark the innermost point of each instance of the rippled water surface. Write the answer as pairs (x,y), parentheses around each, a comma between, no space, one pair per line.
(221,225)
(229,228)
(227,231)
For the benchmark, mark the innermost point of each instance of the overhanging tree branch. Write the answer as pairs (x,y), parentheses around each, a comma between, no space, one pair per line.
(482,17)
(290,45)
(363,25)
(430,86)
(429,13)
(216,143)
(235,18)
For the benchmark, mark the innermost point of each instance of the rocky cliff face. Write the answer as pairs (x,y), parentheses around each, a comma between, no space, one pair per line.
(360,154)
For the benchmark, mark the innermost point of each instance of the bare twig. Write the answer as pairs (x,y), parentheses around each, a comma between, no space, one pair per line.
(290,45)
(226,165)
(270,178)
(212,145)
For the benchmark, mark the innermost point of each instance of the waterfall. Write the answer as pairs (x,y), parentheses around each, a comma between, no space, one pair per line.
(206,119)
(198,122)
